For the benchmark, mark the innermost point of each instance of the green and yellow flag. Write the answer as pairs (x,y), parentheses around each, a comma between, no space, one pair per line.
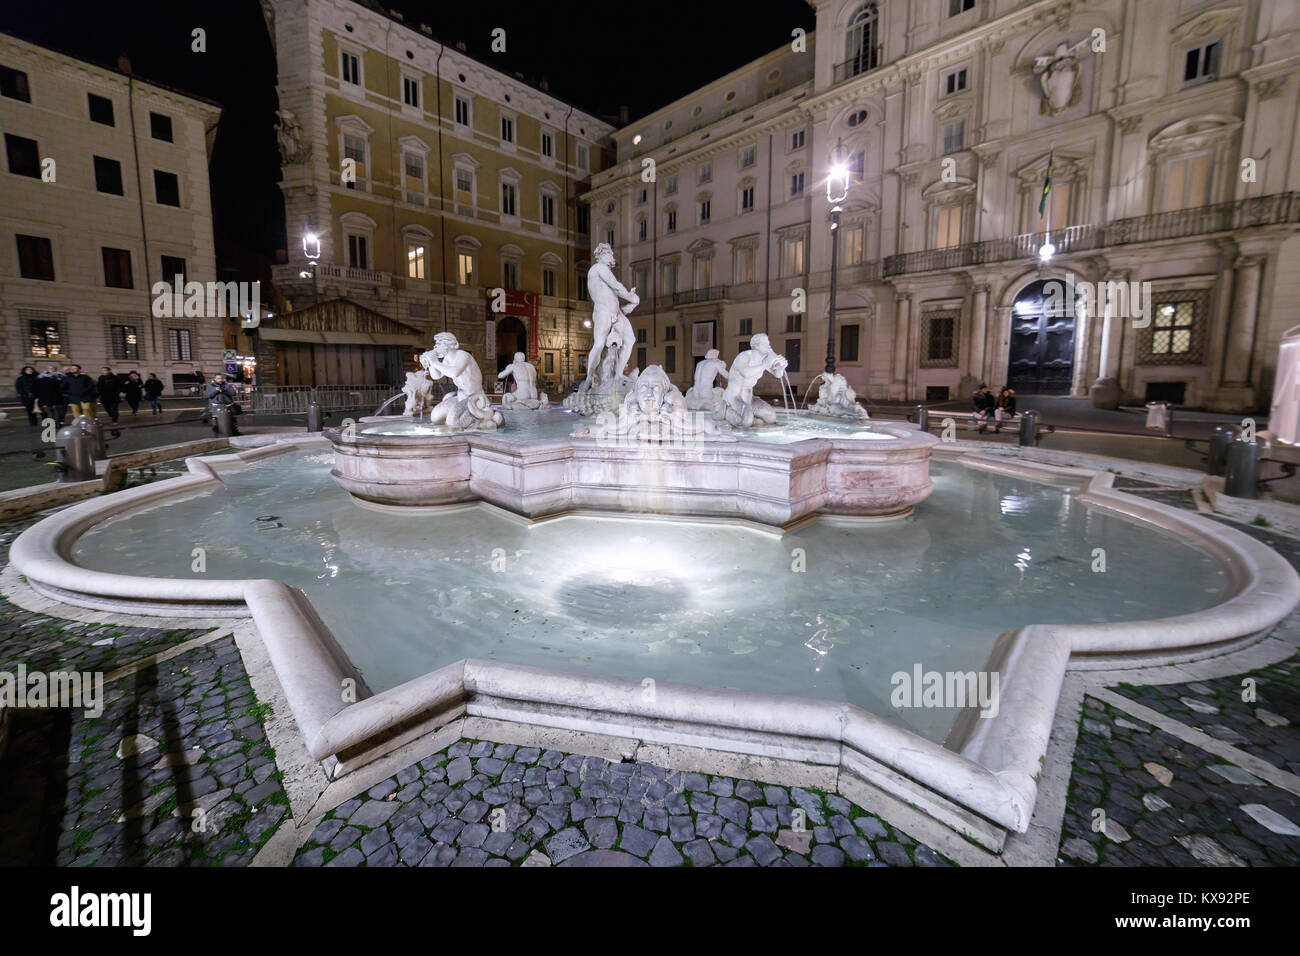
(1047,184)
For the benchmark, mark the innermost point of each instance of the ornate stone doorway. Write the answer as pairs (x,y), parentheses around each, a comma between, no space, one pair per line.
(1041,359)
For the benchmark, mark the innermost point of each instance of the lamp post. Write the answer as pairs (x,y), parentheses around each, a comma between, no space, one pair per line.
(837,190)
(311,249)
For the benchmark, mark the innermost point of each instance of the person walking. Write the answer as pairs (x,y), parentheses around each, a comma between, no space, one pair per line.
(1006,408)
(133,389)
(49,395)
(79,392)
(25,386)
(109,388)
(153,389)
(221,392)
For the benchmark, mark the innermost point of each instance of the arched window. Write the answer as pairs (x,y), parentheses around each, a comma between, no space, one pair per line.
(862,46)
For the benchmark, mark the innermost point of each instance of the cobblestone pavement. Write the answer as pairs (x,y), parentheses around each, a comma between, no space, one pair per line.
(482,804)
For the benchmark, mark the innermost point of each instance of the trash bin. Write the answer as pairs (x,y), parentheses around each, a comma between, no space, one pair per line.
(1216,462)
(1028,429)
(922,418)
(95,430)
(315,416)
(1160,417)
(74,447)
(1241,474)
(223,420)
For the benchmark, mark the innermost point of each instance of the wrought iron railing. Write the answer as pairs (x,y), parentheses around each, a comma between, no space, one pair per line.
(709,294)
(293,399)
(856,65)
(1279,208)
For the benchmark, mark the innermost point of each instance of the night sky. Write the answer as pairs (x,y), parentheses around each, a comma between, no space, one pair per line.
(599,56)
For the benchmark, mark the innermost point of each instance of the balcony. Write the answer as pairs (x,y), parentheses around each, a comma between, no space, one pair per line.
(1278,209)
(282,274)
(711,294)
(862,62)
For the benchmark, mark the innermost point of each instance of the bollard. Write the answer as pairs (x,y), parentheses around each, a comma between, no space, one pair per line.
(922,418)
(1029,429)
(75,448)
(223,420)
(315,416)
(1223,437)
(95,430)
(1241,475)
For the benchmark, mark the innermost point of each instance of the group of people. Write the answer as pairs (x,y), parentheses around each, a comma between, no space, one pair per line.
(999,407)
(69,392)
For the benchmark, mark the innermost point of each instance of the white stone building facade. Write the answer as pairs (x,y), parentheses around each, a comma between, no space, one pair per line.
(1172,132)
(103,192)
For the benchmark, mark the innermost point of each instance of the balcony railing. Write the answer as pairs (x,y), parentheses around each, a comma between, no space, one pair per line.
(1277,209)
(282,273)
(710,294)
(862,62)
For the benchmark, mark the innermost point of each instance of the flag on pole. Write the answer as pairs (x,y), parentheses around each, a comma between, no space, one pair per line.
(1047,183)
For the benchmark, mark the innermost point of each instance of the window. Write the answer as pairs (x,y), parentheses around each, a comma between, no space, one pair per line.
(548,210)
(507,129)
(744,265)
(671,220)
(742,345)
(45,338)
(13,84)
(1187,183)
(792,256)
(851,242)
(670,186)
(954,136)
(704,211)
(548,282)
(954,82)
(857,119)
(670,333)
(354,148)
(549,363)
(947,227)
(101,109)
(550,322)
(173,266)
(462,111)
(747,199)
(956,7)
(642,230)
(414,259)
(24,156)
(108,175)
(166,188)
(1201,63)
(582,286)
(640,360)
(706,173)
(609,237)
(124,342)
(746,327)
(465,180)
(465,268)
(796,185)
(797,139)
(117,268)
(858,166)
(349,68)
(179,345)
(1173,325)
(848,343)
(862,42)
(509,199)
(793,347)
(584,220)
(510,274)
(358,252)
(413,167)
(641,277)
(747,157)
(641,336)
(703,272)
(548,145)
(794,323)
(582,156)
(669,283)
(411,91)
(35,258)
(642,195)
(939,348)
(160,127)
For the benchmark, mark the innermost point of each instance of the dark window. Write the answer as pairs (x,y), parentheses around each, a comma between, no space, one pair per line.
(173,266)
(794,323)
(1201,63)
(849,343)
(640,359)
(358,256)
(166,188)
(108,176)
(36,258)
(178,345)
(792,347)
(160,127)
(24,156)
(582,288)
(13,84)
(584,220)
(101,109)
(746,327)
(125,342)
(959,6)
(640,335)
(941,339)
(45,338)
(670,359)
(117,268)
(670,333)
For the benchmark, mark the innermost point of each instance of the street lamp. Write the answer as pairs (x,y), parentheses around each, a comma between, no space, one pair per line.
(837,190)
(311,249)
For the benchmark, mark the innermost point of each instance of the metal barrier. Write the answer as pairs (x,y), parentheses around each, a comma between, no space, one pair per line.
(1216,462)
(294,399)
(921,415)
(75,447)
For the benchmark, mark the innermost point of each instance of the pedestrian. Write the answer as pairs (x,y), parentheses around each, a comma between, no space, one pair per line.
(49,395)
(153,389)
(982,402)
(221,392)
(133,388)
(79,392)
(109,388)
(26,388)
(1006,408)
